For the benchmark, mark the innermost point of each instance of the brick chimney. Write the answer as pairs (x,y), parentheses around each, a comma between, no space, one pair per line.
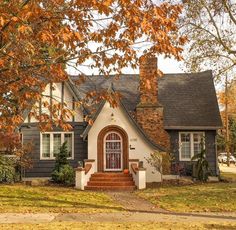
(149,112)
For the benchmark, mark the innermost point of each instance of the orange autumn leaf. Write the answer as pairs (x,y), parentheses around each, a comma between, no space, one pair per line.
(42,38)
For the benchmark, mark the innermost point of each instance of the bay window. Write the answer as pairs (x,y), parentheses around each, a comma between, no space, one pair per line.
(52,141)
(189,144)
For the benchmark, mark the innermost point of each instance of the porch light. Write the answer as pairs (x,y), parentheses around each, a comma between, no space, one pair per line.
(140,164)
(80,164)
(112,117)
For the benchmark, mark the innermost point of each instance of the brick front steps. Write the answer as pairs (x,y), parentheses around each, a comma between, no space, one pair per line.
(111,182)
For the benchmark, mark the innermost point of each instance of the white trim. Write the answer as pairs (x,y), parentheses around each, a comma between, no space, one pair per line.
(104,150)
(191,144)
(51,145)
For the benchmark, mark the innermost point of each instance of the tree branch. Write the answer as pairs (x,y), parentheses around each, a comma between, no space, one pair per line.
(230,12)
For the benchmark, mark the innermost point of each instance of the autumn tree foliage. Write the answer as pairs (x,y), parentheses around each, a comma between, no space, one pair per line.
(18,157)
(228,97)
(227,136)
(40,38)
(211,26)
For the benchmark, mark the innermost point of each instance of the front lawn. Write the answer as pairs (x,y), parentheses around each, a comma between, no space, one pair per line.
(112,226)
(228,176)
(25,199)
(211,197)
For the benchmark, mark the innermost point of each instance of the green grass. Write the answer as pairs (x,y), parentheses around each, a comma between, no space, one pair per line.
(24,199)
(212,197)
(112,226)
(228,176)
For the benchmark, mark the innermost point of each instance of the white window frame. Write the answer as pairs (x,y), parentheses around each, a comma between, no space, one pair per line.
(51,145)
(191,144)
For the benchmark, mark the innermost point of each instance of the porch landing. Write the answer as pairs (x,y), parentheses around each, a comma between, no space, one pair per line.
(111,181)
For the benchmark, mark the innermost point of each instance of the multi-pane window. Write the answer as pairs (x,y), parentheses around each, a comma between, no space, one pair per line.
(190,144)
(68,139)
(56,143)
(51,143)
(185,145)
(45,145)
(197,141)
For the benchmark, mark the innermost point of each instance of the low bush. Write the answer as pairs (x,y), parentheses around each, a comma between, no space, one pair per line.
(15,157)
(8,172)
(65,175)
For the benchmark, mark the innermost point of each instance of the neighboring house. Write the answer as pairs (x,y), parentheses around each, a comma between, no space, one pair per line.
(174,114)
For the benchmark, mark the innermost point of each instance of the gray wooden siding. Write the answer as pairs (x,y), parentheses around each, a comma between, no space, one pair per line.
(43,168)
(210,149)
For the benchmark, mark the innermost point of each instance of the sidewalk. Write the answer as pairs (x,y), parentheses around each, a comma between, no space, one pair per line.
(121,217)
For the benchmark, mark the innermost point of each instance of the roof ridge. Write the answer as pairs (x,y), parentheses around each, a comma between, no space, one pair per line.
(137,74)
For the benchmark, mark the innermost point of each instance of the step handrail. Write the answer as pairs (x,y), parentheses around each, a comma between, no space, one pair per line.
(138,173)
(87,168)
(134,167)
(83,175)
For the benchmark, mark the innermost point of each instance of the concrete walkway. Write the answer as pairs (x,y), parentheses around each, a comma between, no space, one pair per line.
(119,217)
(133,203)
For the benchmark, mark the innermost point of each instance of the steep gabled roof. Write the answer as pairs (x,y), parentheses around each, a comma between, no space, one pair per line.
(73,90)
(133,122)
(189,99)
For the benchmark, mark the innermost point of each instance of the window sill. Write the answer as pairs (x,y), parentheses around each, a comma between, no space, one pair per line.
(53,159)
(186,160)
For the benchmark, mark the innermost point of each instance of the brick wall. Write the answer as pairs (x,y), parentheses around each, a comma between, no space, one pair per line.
(149,112)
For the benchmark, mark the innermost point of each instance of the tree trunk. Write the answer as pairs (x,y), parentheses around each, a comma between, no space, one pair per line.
(227,121)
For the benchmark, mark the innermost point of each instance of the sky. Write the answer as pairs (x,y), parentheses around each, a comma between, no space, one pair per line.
(166,65)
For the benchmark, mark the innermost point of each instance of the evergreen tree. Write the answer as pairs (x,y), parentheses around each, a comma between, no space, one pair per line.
(61,158)
(63,172)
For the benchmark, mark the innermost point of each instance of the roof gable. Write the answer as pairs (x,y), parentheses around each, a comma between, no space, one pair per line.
(189,100)
(131,120)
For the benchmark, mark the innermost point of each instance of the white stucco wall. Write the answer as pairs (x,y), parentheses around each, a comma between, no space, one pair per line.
(141,148)
(57,95)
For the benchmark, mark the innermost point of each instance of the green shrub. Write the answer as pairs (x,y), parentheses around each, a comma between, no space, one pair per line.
(15,157)
(7,169)
(63,173)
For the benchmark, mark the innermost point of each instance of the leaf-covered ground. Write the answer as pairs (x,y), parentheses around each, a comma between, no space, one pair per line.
(228,176)
(26,199)
(211,197)
(111,226)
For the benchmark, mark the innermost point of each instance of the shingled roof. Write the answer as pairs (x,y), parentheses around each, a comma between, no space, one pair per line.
(189,99)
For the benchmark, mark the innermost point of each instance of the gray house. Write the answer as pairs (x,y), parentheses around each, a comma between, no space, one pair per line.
(173,114)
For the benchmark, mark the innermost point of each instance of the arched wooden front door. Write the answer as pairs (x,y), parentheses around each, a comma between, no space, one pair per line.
(112,149)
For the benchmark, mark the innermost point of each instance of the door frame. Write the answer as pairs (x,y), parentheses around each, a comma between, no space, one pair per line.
(121,155)
(100,147)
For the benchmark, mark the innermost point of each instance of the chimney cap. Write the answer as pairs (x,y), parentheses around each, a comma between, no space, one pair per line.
(148,59)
